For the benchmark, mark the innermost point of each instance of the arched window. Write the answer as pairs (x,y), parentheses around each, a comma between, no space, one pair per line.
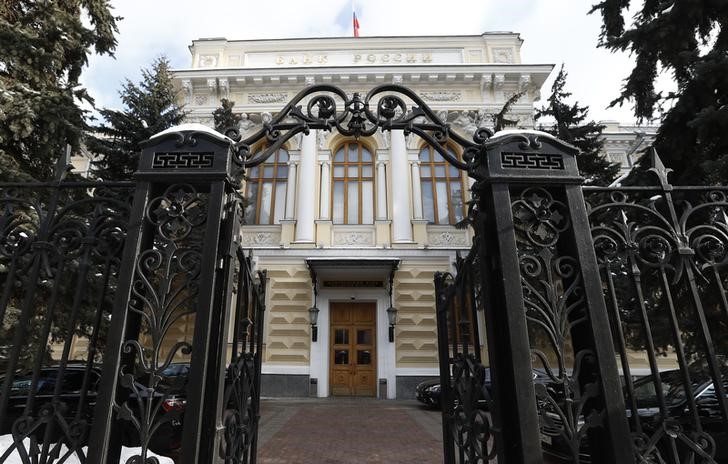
(442,188)
(352,201)
(266,190)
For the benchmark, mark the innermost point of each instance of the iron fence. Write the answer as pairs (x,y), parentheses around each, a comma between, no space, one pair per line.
(60,250)
(131,316)
(662,254)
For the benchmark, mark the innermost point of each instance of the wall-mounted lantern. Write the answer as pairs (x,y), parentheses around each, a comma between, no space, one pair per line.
(391,311)
(313,311)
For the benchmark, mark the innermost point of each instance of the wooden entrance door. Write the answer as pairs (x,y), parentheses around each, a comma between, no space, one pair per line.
(353,370)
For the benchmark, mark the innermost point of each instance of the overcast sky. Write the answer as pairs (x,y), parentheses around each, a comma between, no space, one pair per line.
(554,31)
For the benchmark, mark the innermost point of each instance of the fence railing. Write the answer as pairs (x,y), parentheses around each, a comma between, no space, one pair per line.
(662,254)
(60,250)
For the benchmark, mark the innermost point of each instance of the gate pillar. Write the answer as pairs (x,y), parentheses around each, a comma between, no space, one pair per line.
(172,269)
(544,304)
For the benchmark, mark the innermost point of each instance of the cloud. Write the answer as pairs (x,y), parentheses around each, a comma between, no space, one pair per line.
(554,31)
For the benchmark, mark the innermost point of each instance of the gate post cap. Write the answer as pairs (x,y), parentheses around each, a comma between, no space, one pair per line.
(189,127)
(530,136)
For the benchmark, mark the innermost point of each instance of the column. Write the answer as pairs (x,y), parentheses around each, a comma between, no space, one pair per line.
(381,191)
(291,191)
(307,190)
(325,190)
(401,215)
(416,190)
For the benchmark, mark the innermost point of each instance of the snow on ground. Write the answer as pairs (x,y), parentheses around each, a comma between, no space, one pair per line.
(7,440)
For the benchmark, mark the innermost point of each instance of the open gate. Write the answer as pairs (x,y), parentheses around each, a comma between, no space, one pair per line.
(527,352)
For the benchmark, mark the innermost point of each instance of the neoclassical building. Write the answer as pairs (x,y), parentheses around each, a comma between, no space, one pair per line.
(335,220)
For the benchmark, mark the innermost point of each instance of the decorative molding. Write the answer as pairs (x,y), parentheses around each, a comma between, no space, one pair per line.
(201,100)
(397,79)
(224,87)
(268,238)
(212,85)
(498,81)
(245,122)
(447,238)
(440,95)
(353,238)
(309,81)
(187,89)
(207,61)
(267,97)
(503,55)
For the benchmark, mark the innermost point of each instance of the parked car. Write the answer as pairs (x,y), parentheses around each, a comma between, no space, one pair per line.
(69,397)
(429,392)
(166,439)
(651,419)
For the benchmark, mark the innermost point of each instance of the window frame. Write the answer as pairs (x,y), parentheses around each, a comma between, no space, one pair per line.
(346,180)
(276,183)
(432,179)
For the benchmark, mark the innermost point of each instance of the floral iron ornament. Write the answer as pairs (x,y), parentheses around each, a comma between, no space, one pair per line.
(328,107)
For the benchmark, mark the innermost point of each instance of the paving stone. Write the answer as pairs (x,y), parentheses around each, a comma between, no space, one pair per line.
(343,431)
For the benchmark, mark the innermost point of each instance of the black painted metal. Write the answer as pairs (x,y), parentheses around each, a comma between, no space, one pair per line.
(662,253)
(60,249)
(531,290)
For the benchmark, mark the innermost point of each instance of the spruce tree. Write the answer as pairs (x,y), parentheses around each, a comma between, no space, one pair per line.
(45,46)
(500,119)
(224,118)
(571,126)
(689,41)
(150,107)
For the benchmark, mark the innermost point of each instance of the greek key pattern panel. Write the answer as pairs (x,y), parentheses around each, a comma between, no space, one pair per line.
(532,161)
(182,160)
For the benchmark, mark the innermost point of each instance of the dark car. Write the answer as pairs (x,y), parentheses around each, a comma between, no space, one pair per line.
(554,443)
(429,391)
(70,405)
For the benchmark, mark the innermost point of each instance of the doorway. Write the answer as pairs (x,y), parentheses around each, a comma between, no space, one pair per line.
(352,349)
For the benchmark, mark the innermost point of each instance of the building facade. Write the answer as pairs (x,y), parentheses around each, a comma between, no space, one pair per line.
(354,227)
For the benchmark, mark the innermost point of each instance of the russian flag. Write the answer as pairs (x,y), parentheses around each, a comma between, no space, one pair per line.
(355,24)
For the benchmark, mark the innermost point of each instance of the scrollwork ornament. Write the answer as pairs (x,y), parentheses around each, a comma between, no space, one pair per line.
(356,119)
(177,211)
(540,217)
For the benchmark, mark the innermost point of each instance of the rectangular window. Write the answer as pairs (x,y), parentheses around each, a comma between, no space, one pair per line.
(367,202)
(338,213)
(442,208)
(352,216)
(280,206)
(456,200)
(265,202)
(428,205)
(252,202)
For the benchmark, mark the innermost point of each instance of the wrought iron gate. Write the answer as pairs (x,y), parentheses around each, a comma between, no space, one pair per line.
(162,250)
(661,268)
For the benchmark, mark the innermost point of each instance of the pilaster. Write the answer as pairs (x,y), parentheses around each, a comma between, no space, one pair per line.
(401,214)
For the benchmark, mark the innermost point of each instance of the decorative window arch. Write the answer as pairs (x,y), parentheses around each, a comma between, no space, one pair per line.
(443,187)
(352,199)
(266,190)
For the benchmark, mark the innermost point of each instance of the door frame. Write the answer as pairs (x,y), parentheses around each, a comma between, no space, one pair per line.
(320,359)
(353,308)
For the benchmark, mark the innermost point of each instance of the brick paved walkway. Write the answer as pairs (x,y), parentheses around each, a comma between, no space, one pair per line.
(348,431)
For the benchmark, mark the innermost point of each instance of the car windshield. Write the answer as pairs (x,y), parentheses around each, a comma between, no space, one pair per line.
(673,388)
